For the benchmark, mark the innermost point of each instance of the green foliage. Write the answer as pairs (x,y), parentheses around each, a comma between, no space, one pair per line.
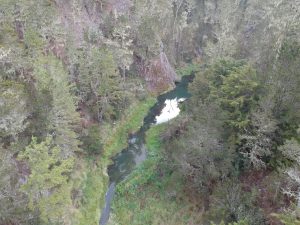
(223,96)
(47,184)
(234,86)
(238,95)
(230,91)
(116,139)
(240,222)
(33,42)
(53,87)
(14,108)
(189,69)
(94,184)
(221,69)
(13,203)
(291,150)
(99,81)
(228,122)
(290,217)
(152,194)
(201,143)
(91,141)
(230,84)
(147,172)
(285,84)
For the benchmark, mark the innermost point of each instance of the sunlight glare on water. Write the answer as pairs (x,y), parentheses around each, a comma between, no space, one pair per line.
(170,111)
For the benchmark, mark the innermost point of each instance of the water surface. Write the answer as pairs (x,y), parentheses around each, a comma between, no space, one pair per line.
(165,109)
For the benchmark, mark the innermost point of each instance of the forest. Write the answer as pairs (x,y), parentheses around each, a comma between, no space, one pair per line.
(79,80)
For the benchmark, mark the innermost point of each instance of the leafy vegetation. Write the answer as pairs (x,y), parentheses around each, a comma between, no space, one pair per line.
(91,141)
(47,185)
(95,181)
(153,193)
(229,136)
(117,138)
(75,82)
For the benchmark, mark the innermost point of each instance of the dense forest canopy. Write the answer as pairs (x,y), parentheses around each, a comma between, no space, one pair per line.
(77,78)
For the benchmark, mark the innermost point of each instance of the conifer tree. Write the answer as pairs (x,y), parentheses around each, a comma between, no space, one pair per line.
(47,185)
(62,118)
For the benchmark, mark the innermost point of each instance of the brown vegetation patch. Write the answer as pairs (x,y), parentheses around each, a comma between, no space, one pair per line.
(158,73)
(269,186)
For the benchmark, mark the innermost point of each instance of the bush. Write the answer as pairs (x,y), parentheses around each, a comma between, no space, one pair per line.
(91,142)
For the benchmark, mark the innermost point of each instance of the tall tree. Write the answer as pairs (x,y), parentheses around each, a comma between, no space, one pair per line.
(53,85)
(47,185)
(100,81)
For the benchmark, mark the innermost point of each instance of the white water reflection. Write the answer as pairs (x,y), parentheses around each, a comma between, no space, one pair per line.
(170,111)
(139,158)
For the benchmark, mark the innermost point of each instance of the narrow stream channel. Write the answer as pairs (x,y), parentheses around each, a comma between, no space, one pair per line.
(165,109)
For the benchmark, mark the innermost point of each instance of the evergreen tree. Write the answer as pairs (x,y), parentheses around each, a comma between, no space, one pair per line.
(47,185)
(53,85)
(100,82)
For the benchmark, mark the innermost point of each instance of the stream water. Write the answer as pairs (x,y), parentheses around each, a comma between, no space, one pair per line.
(165,109)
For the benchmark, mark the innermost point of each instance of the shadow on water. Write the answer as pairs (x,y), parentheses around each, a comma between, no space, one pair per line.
(136,152)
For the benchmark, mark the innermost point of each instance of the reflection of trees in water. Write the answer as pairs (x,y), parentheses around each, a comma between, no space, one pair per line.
(125,162)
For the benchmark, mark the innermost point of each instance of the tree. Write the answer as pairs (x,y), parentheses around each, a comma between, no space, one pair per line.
(91,141)
(291,150)
(284,82)
(222,99)
(200,152)
(13,202)
(99,82)
(14,109)
(276,117)
(259,139)
(237,95)
(54,87)
(235,205)
(233,88)
(232,85)
(47,185)
(122,49)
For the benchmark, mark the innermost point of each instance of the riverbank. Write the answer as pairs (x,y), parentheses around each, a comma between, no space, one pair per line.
(153,193)
(115,138)
(137,152)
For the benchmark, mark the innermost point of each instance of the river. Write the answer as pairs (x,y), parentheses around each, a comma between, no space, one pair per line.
(165,109)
